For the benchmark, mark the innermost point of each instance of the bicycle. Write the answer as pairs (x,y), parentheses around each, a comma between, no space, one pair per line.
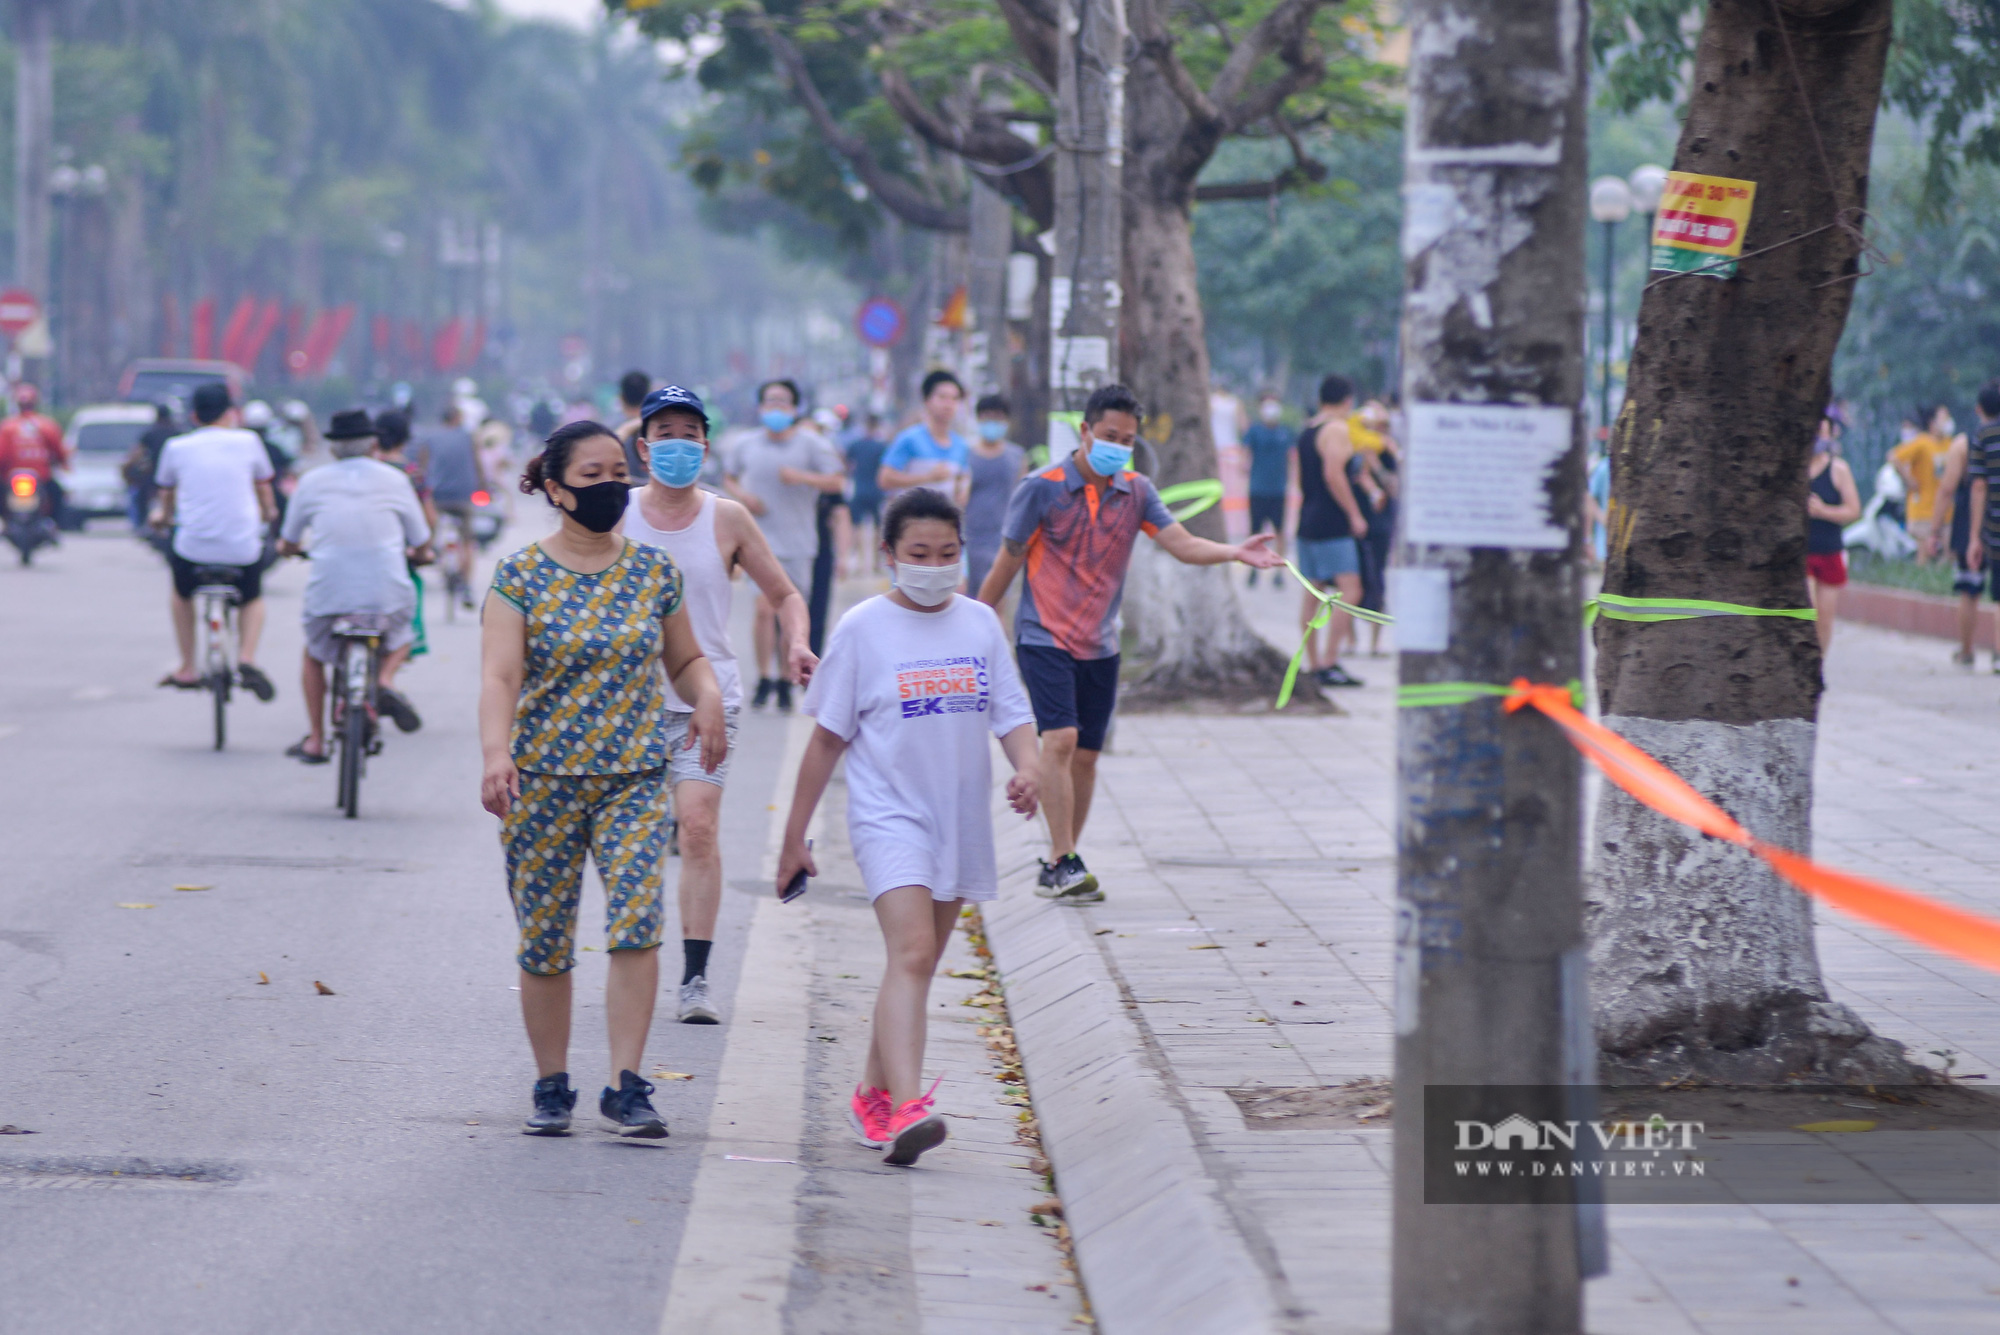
(450,542)
(215,603)
(356,727)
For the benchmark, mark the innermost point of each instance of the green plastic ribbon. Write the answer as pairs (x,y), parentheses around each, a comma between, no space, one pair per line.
(1327,603)
(1620,608)
(1205,494)
(1429,694)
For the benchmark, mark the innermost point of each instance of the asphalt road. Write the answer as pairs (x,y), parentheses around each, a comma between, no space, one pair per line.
(219,1154)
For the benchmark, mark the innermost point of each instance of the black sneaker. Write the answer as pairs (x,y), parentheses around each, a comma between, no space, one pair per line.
(784,696)
(629,1110)
(1336,675)
(553,1100)
(1074,883)
(398,707)
(763,696)
(1045,880)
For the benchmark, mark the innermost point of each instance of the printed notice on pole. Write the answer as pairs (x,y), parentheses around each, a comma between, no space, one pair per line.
(1478,475)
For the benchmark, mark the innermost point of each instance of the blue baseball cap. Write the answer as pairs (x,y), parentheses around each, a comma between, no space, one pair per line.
(673,396)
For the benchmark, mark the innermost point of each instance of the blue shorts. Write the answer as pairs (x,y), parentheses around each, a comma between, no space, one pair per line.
(1069,692)
(1320,559)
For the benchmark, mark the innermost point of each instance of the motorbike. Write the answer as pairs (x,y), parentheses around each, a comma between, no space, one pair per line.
(486,519)
(29,525)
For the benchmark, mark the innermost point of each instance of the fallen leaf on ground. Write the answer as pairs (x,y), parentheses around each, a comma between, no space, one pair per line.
(1260,943)
(194,887)
(1298,1003)
(991,1223)
(262,978)
(1835,1126)
(135,906)
(1210,946)
(589,947)
(324,990)
(11,1130)
(673,1075)
(1052,1206)
(1102,931)
(966,973)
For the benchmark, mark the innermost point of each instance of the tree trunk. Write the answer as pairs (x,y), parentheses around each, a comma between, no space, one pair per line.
(1187,624)
(1703,960)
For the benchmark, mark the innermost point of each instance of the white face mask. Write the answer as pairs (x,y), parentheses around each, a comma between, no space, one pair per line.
(928,586)
(1270,412)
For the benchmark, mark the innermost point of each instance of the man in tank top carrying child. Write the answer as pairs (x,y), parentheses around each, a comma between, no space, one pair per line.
(708,537)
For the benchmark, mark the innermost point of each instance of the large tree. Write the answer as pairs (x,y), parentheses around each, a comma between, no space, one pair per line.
(1704,962)
(888,87)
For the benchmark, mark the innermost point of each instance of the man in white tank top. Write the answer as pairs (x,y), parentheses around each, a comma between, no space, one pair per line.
(707,536)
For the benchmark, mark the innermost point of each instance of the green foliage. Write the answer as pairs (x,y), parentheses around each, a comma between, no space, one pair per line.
(1318,287)
(1943,71)
(1925,327)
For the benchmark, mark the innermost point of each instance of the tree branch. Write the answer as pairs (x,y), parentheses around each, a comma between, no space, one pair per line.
(1033,24)
(986,140)
(1156,43)
(906,201)
(1287,32)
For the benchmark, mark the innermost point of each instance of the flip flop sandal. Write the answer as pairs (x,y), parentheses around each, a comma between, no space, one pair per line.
(171,680)
(297,751)
(255,682)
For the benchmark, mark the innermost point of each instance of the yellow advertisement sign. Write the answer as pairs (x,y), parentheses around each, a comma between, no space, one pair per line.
(1701,220)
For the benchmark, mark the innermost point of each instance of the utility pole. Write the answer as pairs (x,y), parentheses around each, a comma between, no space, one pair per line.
(1090,165)
(986,352)
(1490,965)
(34,148)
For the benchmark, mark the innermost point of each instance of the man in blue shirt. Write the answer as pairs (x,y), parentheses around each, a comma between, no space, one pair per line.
(1270,447)
(929,453)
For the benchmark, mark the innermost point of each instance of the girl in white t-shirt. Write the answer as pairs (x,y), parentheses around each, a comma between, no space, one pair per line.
(912,685)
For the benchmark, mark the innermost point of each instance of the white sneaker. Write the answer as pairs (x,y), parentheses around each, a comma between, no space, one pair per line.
(696,1008)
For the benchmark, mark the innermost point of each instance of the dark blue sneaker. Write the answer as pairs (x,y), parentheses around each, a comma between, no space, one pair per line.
(553,1100)
(629,1110)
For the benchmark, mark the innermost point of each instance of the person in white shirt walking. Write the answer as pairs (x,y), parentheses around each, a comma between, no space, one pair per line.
(359,520)
(914,684)
(709,537)
(778,474)
(214,490)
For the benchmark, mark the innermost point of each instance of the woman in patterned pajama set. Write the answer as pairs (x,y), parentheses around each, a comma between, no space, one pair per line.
(572,724)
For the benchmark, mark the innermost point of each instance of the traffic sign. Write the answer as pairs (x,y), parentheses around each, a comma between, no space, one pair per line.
(18,310)
(879,322)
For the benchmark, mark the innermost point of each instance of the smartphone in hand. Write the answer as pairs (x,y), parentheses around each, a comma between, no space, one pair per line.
(797,885)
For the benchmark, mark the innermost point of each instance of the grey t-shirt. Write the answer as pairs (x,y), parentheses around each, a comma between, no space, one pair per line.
(790,520)
(992,486)
(355,517)
(445,454)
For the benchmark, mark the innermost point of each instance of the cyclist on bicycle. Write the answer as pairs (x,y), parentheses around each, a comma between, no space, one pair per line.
(214,490)
(450,464)
(358,518)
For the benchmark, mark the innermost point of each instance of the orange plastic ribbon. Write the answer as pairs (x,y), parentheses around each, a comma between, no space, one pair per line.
(1953,931)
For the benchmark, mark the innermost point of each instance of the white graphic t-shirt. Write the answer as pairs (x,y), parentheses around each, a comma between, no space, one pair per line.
(916,695)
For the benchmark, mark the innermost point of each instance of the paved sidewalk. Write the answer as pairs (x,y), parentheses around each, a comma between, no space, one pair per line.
(1250,872)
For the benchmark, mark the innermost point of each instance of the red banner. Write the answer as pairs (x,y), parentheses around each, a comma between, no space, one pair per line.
(234,332)
(260,334)
(444,346)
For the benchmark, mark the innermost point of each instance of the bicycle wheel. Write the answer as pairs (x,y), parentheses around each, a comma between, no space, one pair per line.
(353,747)
(218,689)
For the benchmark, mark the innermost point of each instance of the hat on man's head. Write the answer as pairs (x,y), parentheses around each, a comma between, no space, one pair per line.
(350,424)
(673,396)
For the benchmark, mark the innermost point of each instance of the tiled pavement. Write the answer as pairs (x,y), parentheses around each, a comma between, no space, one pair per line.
(1271,839)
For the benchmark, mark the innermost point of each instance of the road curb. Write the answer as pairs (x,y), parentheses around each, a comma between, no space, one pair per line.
(1156,1246)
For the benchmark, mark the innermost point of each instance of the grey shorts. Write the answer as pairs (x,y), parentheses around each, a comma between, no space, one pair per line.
(324,648)
(1322,559)
(684,761)
(799,570)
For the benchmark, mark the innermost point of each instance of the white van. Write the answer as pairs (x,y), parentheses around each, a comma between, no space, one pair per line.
(99,439)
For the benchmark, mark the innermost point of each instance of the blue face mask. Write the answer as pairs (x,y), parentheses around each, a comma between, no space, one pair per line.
(775,421)
(1108,460)
(676,463)
(991,429)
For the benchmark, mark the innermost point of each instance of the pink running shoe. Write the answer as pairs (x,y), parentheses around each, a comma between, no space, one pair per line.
(914,1128)
(868,1113)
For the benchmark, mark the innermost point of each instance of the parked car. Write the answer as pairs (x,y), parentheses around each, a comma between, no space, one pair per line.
(99,439)
(157,379)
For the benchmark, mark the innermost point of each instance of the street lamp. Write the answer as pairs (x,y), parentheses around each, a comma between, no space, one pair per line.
(1610,204)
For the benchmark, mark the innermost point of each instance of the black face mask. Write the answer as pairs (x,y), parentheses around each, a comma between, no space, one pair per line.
(600,505)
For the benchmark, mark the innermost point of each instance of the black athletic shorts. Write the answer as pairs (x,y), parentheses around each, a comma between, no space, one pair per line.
(1267,508)
(249,581)
(1070,692)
